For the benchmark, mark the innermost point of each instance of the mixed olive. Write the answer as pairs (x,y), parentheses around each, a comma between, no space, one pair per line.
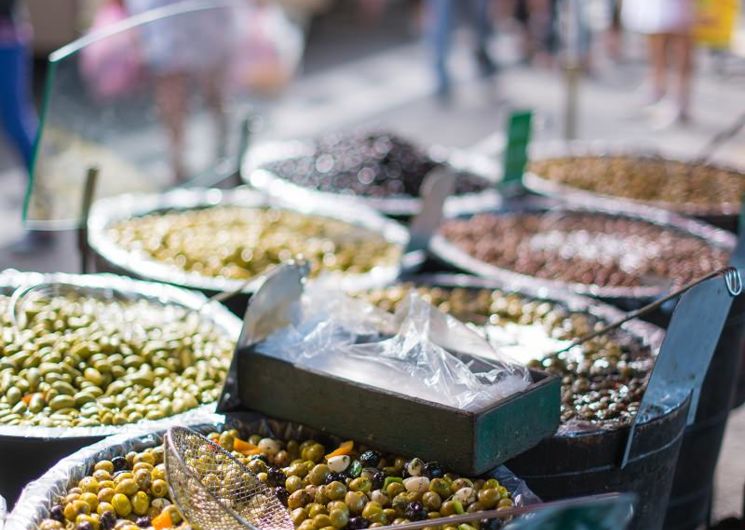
(603,381)
(367,163)
(77,360)
(349,487)
(240,243)
(586,248)
(646,179)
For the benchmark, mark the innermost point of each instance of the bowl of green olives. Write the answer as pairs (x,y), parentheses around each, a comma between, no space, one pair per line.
(323,481)
(216,241)
(87,356)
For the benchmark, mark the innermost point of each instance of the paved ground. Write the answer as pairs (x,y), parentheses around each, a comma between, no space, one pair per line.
(346,84)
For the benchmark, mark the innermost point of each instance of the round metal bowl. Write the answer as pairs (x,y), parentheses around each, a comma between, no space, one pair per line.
(255,174)
(112,257)
(449,253)
(39,497)
(543,186)
(30,450)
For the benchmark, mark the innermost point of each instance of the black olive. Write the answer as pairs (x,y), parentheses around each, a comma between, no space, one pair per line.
(85,525)
(57,513)
(340,477)
(433,470)
(377,478)
(370,458)
(276,476)
(143,522)
(282,494)
(415,511)
(120,463)
(107,521)
(358,523)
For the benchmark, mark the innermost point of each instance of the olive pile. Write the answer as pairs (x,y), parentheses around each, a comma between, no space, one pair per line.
(349,488)
(646,179)
(371,164)
(240,243)
(602,381)
(85,362)
(586,248)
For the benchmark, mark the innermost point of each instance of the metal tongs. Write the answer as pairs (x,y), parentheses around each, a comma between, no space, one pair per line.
(732,280)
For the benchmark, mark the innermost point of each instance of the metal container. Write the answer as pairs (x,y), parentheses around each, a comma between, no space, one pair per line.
(38,497)
(110,257)
(254,173)
(626,297)
(28,451)
(567,466)
(723,215)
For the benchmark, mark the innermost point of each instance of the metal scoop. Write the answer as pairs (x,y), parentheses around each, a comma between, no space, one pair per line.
(214,490)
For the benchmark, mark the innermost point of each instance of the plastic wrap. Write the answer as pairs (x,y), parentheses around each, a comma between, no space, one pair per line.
(109,285)
(636,334)
(253,173)
(428,354)
(450,253)
(106,212)
(38,497)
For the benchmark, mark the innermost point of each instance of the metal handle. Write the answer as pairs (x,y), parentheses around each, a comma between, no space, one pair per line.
(732,280)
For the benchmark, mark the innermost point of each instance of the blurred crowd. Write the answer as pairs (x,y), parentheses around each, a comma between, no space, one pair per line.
(551,33)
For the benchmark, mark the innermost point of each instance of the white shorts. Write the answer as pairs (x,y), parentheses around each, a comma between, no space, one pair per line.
(658,16)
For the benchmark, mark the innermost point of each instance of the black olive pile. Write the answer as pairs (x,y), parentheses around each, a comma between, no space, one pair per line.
(603,381)
(371,164)
(349,487)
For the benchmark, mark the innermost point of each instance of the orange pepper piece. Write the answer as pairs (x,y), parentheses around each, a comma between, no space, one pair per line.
(245,448)
(162,521)
(344,449)
(27,398)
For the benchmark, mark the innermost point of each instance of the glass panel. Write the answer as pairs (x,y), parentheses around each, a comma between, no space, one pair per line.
(155,100)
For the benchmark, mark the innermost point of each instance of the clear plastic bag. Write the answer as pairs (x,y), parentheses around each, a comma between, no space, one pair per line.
(419,351)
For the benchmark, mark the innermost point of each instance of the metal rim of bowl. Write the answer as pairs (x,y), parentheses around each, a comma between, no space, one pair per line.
(164,294)
(543,186)
(448,252)
(254,174)
(107,211)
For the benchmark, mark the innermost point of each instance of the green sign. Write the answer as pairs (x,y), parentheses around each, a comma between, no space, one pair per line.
(516,151)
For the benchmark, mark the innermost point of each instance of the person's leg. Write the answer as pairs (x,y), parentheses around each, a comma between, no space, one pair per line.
(481,21)
(213,87)
(439,19)
(682,47)
(657,48)
(16,110)
(171,98)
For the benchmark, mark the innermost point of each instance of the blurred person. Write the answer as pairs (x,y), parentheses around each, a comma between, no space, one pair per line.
(439,21)
(614,33)
(181,51)
(539,29)
(16,108)
(668,25)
